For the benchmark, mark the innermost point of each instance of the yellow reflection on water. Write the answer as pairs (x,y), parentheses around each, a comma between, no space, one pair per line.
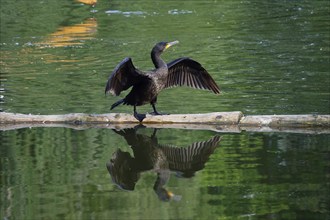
(74,35)
(88,2)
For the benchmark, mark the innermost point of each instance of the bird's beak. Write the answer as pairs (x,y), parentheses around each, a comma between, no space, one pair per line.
(169,44)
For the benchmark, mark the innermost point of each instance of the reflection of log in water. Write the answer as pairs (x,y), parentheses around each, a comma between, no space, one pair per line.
(150,155)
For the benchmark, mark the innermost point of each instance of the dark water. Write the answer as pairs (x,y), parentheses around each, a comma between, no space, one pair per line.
(268,57)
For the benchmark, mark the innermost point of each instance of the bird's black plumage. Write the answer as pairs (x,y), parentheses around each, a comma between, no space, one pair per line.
(146,86)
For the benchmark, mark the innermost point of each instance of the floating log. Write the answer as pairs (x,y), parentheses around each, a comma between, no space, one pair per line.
(223,118)
(286,120)
(216,121)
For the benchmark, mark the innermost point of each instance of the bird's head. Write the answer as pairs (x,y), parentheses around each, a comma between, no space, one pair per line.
(162,46)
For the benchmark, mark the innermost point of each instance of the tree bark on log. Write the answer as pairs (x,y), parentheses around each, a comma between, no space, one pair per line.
(216,121)
(218,118)
(286,120)
(121,118)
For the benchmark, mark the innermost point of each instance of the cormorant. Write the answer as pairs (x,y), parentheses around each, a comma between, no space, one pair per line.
(146,86)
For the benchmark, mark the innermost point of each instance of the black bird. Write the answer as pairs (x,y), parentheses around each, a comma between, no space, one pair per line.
(146,86)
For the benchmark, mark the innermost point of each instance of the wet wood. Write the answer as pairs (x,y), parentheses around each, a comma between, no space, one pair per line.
(216,128)
(210,127)
(117,118)
(286,120)
(216,121)
(220,118)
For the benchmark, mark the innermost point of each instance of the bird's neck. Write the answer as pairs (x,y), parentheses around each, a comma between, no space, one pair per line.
(158,62)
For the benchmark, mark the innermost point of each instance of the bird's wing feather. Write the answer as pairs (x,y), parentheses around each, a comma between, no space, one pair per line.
(123,76)
(187,72)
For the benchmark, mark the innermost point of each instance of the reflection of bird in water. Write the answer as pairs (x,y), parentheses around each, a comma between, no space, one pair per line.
(149,155)
(146,86)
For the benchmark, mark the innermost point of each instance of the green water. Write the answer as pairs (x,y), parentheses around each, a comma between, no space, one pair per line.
(60,173)
(268,57)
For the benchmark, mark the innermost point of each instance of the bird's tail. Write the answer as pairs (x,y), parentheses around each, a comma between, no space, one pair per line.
(114,105)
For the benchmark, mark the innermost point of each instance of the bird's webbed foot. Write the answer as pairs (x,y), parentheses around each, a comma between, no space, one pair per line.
(155,112)
(139,117)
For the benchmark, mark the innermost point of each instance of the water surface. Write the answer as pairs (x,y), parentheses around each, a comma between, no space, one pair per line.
(61,173)
(268,57)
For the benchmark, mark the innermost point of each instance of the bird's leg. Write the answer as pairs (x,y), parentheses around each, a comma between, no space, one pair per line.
(155,112)
(138,116)
(153,136)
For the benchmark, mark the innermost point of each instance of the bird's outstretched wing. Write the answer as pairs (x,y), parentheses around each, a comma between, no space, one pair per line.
(187,72)
(123,76)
